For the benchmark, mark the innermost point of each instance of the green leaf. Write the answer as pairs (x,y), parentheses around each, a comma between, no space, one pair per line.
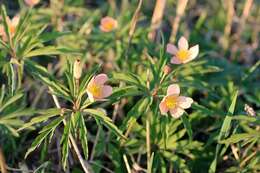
(53,125)
(65,144)
(187,125)
(224,132)
(48,113)
(37,142)
(107,121)
(50,50)
(11,100)
(137,110)
(130,79)
(126,91)
(45,37)
(239,137)
(83,136)
(4,18)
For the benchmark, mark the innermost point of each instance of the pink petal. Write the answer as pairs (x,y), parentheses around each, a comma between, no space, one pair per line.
(163,108)
(2,30)
(100,79)
(184,102)
(175,60)
(176,112)
(193,51)
(15,20)
(183,44)
(173,89)
(170,48)
(107,91)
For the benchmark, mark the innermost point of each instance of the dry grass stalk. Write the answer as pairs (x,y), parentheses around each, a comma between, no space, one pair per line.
(237,37)
(230,14)
(181,5)
(2,162)
(157,18)
(133,25)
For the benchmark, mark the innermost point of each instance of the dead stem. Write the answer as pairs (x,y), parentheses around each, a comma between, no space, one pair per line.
(2,162)
(157,18)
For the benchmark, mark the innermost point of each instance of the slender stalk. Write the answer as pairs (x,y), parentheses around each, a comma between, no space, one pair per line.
(157,18)
(127,164)
(74,145)
(148,142)
(2,162)
(95,144)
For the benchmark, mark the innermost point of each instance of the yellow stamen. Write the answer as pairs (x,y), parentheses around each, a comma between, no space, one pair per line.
(96,90)
(109,25)
(182,55)
(171,101)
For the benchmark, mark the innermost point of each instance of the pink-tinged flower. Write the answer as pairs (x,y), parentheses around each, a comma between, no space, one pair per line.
(175,103)
(31,3)
(12,24)
(97,89)
(108,24)
(183,53)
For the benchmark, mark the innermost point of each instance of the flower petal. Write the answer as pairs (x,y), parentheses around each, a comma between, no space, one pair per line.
(183,43)
(170,48)
(90,96)
(184,102)
(173,89)
(100,79)
(193,51)
(107,91)
(163,108)
(175,60)
(15,20)
(176,112)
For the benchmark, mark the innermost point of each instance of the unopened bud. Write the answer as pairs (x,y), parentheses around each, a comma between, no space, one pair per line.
(249,110)
(166,69)
(77,69)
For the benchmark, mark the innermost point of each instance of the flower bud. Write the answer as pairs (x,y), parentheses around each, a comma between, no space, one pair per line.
(166,69)
(77,69)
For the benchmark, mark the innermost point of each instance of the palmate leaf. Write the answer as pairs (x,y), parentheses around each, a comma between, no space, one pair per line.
(45,115)
(48,130)
(130,78)
(101,116)
(137,110)
(239,137)
(126,91)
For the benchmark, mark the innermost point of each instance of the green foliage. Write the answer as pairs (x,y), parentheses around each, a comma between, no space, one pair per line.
(47,115)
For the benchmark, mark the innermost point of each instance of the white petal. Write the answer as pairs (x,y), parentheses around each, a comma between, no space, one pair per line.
(173,89)
(176,112)
(193,51)
(184,102)
(183,44)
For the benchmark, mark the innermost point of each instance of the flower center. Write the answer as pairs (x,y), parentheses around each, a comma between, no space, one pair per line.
(182,55)
(171,101)
(109,25)
(96,90)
